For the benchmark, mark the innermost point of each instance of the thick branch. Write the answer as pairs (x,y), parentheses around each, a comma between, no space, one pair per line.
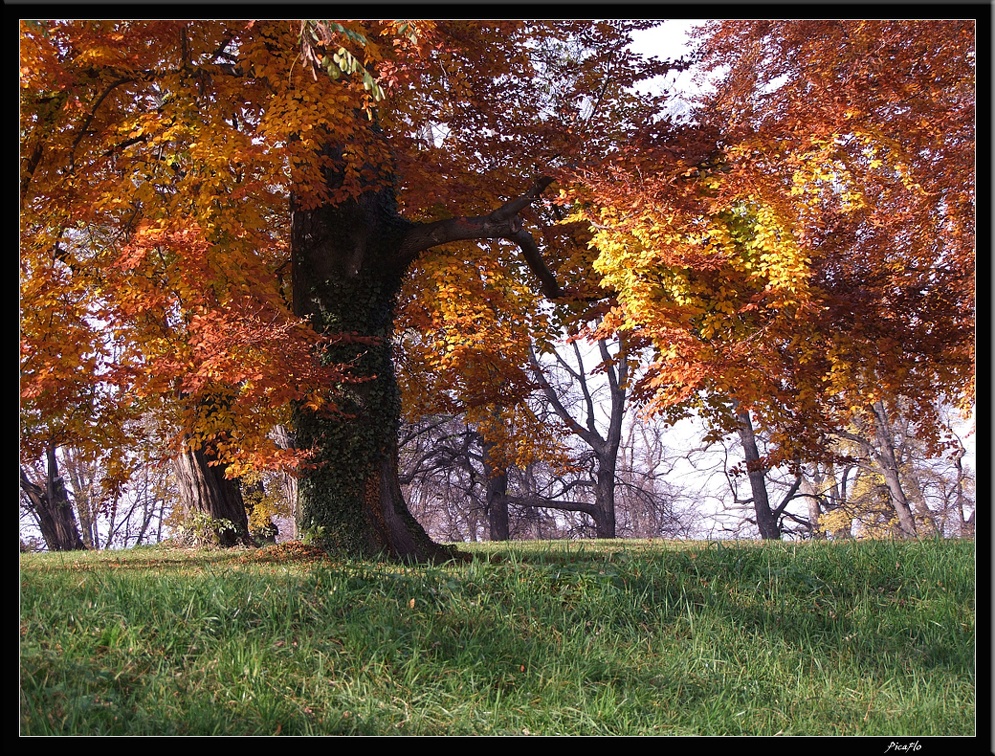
(563,506)
(513,207)
(533,258)
(503,223)
(89,118)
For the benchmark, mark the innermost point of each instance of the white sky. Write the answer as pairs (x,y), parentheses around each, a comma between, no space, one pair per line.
(669,41)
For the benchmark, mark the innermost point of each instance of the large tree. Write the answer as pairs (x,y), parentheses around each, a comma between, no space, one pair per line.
(172,169)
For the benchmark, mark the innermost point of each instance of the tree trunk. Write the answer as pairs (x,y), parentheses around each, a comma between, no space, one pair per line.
(497,495)
(604,497)
(770,528)
(809,490)
(56,517)
(888,463)
(204,488)
(288,484)
(965,526)
(346,280)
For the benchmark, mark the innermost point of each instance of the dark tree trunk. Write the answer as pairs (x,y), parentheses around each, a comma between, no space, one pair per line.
(497,496)
(604,496)
(349,260)
(56,517)
(204,488)
(767,520)
(346,279)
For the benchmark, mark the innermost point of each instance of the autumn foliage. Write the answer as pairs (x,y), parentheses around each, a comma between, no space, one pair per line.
(154,221)
(801,248)
(806,248)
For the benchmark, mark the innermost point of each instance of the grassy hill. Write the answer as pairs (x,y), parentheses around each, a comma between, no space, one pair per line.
(565,638)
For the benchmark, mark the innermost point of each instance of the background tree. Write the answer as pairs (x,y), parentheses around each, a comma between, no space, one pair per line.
(804,251)
(602,441)
(449,465)
(50,503)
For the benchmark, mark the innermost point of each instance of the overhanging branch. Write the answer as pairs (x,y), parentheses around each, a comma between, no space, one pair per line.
(503,223)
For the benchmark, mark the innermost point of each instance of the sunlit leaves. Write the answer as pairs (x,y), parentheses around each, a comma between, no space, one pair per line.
(796,258)
(467,329)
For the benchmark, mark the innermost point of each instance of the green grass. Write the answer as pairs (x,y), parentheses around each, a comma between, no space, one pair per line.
(580,638)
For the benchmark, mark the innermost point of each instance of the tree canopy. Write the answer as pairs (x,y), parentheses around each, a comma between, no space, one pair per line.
(810,250)
(235,225)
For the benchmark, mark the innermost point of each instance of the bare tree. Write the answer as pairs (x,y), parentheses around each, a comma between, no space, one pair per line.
(595,421)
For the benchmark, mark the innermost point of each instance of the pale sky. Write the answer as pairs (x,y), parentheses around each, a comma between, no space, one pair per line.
(669,41)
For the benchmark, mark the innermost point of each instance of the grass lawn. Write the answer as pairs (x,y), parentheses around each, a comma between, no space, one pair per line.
(564,638)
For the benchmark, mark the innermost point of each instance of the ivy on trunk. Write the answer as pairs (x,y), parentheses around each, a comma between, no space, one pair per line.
(349,260)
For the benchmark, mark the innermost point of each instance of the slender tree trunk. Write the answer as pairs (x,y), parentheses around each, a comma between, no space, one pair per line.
(605,447)
(889,469)
(617,375)
(56,517)
(812,502)
(965,526)
(838,498)
(148,507)
(497,495)
(204,488)
(928,522)
(968,529)
(288,482)
(770,528)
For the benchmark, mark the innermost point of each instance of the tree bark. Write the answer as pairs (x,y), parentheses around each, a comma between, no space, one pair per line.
(767,521)
(346,279)
(348,263)
(204,488)
(56,517)
(288,481)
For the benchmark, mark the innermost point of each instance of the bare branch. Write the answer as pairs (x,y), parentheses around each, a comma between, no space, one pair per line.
(565,506)
(591,439)
(789,496)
